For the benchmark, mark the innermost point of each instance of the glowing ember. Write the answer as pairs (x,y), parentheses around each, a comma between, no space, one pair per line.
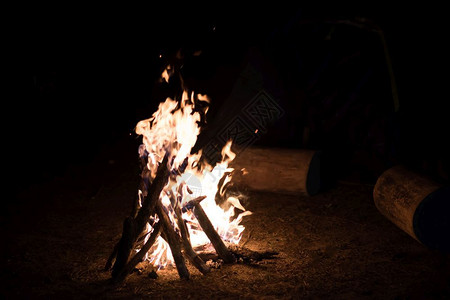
(172,131)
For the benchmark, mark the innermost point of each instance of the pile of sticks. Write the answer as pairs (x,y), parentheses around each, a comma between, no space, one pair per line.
(122,261)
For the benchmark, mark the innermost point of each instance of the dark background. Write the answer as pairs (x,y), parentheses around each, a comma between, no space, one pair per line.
(83,76)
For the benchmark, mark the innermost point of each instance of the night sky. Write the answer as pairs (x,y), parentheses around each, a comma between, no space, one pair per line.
(83,76)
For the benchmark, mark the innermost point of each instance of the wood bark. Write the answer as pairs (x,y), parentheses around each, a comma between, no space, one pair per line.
(212,234)
(133,227)
(173,241)
(138,257)
(416,204)
(189,252)
(287,171)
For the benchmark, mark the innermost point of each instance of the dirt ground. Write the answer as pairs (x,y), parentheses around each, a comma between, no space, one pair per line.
(58,234)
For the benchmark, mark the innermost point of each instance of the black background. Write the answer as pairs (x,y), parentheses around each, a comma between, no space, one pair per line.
(84,75)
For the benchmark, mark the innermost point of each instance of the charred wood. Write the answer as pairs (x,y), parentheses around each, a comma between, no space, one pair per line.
(173,241)
(212,234)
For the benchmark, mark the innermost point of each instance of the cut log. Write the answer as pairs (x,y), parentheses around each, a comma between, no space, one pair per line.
(173,241)
(212,234)
(289,171)
(416,204)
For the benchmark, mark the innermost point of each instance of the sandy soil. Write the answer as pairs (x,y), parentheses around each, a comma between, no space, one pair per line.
(58,235)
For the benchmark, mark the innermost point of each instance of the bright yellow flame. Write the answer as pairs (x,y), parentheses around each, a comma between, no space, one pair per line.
(172,130)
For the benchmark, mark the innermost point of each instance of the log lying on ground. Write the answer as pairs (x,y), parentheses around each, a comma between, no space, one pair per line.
(416,204)
(242,254)
(291,171)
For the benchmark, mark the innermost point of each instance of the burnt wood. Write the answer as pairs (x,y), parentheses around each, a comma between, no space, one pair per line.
(188,251)
(138,257)
(212,234)
(172,239)
(133,227)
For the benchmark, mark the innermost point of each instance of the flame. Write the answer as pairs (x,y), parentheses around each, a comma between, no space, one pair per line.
(172,130)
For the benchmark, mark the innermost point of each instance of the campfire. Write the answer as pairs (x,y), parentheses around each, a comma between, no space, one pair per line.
(182,208)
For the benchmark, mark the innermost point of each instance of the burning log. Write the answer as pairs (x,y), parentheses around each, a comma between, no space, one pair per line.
(148,207)
(124,247)
(189,252)
(163,190)
(138,257)
(173,241)
(211,233)
(133,227)
(112,257)
(416,204)
(291,171)
(144,182)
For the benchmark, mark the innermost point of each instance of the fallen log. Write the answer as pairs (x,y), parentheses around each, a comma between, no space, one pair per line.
(416,204)
(288,171)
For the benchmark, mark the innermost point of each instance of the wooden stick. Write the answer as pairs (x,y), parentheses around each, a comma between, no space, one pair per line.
(190,204)
(148,207)
(137,258)
(146,180)
(188,251)
(112,257)
(173,241)
(212,234)
(133,227)
(124,246)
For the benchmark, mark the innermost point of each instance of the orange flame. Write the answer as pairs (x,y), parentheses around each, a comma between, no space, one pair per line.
(172,130)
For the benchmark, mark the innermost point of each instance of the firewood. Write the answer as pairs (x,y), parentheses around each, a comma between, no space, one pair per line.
(140,255)
(212,234)
(124,247)
(144,182)
(112,257)
(190,204)
(188,251)
(133,227)
(149,204)
(173,241)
